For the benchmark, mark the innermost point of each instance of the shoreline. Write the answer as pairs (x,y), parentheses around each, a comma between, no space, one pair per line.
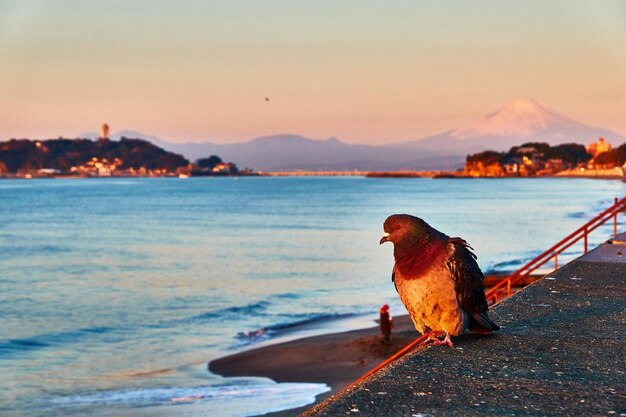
(335,359)
(342,174)
(280,361)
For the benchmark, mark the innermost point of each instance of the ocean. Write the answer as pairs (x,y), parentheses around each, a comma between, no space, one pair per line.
(116,293)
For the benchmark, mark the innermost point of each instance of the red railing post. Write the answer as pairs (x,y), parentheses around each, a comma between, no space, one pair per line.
(615,220)
(586,233)
(556,261)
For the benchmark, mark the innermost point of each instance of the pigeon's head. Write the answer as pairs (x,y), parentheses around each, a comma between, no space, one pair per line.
(400,227)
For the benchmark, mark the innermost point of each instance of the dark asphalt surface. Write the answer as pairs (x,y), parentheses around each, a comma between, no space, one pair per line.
(560,352)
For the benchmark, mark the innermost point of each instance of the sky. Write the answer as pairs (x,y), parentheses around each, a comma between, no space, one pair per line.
(363,71)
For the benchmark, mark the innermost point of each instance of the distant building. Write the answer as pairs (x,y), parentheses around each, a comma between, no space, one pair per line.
(98,167)
(527,149)
(511,167)
(598,147)
(225,168)
(48,172)
(104,131)
(484,169)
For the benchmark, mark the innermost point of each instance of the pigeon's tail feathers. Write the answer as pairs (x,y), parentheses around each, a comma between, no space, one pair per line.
(481,323)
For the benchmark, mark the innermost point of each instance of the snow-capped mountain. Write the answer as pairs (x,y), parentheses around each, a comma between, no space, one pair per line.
(521,120)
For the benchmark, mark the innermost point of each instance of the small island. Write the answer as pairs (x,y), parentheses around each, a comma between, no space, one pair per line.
(128,157)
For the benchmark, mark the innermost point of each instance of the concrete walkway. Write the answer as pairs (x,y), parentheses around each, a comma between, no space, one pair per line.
(560,352)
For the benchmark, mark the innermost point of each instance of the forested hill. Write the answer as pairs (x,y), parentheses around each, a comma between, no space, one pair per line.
(63,154)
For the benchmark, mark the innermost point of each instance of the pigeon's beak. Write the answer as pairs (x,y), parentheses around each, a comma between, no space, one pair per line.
(385,238)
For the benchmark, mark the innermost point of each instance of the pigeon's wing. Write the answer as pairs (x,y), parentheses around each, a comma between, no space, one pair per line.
(393,278)
(468,284)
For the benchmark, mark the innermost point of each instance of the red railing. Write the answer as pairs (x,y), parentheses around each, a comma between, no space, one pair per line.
(503,288)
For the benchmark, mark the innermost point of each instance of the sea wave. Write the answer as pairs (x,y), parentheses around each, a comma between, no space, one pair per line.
(25,251)
(287,296)
(255,308)
(597,207)
(11,347)
(506,265)
(232,400)
(514,264)
(578,215)
(248,309)
(278,329)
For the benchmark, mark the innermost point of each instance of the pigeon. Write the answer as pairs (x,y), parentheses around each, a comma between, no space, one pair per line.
(438,280)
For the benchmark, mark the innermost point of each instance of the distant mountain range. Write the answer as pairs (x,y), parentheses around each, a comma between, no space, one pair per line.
(293,152)
(517,122)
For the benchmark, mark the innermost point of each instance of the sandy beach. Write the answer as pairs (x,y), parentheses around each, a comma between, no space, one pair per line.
(334,359)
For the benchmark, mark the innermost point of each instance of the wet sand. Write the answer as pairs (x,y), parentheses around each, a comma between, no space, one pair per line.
(333,359)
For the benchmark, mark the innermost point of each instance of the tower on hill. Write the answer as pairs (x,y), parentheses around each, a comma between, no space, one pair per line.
(104,131)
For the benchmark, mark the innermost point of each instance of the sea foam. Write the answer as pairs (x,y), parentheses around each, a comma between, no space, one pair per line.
(232,400)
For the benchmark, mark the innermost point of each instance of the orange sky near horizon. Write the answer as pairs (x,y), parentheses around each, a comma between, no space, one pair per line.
(357,70)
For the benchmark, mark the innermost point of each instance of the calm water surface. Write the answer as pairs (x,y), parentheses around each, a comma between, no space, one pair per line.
(115,293)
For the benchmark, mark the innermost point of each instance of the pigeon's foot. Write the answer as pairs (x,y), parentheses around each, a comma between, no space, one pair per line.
(444,342)
(426,342)
(433,337)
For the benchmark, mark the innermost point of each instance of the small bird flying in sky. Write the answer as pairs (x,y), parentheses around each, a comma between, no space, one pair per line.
(438,280)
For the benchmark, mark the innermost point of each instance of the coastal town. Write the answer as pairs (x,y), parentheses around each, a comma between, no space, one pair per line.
(598,159)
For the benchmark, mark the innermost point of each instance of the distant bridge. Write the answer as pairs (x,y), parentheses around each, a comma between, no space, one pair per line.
(354,173)
(357,173)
